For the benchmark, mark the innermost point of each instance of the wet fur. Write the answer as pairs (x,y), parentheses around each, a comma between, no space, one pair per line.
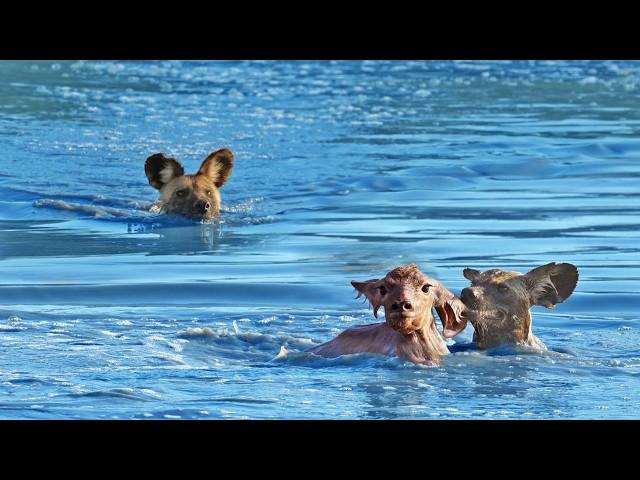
(425,347)
(499,302)
(195,195)
(413,337)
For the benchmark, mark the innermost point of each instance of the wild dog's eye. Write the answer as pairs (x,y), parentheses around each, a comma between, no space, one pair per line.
(425,288)
(209,192)
(503,288)
(383,290)
(180,193)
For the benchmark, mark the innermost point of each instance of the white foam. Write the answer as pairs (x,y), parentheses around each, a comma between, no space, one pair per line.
(198,332)
(282,353)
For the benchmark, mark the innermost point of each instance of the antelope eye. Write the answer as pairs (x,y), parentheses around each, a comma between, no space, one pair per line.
(383,290)
(425,288)
(503,289)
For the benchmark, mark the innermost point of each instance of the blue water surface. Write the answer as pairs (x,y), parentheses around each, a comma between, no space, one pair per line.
(343,171)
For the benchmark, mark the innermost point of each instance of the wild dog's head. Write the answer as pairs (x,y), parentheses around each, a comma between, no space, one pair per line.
(498,301)
(407,296)
(195,196)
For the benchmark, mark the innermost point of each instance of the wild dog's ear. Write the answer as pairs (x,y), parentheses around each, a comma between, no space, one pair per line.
(449,309)
(217,166)
(373,290)
(471,274)
(551,284)
(161,169)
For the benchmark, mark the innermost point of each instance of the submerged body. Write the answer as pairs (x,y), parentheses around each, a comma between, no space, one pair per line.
(409,330)
(425,346)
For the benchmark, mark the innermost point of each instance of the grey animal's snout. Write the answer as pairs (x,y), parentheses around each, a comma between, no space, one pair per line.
(406,306)
(468,295)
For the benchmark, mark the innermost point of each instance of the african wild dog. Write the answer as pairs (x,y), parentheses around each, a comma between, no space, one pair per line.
(195,196)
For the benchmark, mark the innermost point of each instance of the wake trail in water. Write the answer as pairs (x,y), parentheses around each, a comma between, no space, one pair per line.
(92,210)
(241,213)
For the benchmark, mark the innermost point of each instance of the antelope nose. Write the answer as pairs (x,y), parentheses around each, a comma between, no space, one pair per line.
(404,305)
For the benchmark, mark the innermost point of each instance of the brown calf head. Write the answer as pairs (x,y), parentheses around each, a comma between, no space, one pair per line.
(407,296)
(194,196)
(498,301)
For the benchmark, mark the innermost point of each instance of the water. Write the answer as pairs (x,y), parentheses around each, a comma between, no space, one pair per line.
(344,170)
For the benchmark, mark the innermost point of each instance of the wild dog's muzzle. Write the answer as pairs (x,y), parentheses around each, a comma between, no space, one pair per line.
(202,206)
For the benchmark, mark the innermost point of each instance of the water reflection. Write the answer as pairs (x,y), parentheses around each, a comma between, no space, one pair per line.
(471,386)
(53,239)
(183,239)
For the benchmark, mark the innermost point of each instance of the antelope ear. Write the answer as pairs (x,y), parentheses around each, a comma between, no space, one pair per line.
(370,289)
(161,169)
(471,274)
(551,284)
(217,166)
(449,308)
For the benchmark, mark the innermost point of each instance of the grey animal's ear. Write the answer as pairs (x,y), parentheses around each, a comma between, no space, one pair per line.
(161,169)
(471,274)
(373,290)
(551,284)
(217,166)
(449,308)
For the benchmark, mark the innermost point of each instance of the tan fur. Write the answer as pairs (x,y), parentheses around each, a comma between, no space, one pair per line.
(409,330)
(424,347)
(195,195)
(499,302)
(217,166)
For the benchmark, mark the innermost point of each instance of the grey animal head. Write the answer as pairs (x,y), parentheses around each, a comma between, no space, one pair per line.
(498,301)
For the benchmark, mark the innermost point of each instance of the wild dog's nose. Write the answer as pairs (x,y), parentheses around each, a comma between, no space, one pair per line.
(202,206)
